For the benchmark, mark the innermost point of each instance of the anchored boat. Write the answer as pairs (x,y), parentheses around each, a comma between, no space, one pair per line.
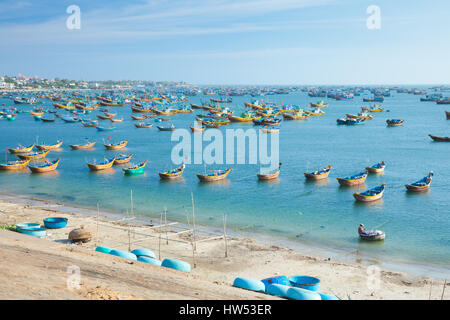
(371,194)
(106,164)
(45,167)
(421,185)
(216,175)
(377,168)
(354,180)
(319,174)
(172,174)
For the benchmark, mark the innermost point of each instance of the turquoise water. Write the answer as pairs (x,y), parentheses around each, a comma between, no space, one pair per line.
(321,213)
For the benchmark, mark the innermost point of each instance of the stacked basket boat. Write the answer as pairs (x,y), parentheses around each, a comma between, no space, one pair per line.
(294,288)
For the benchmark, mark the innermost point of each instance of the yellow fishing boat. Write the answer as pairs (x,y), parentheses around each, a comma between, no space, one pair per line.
(172,174)
(21,149)
(15,165)
(215,176)
(46,167)
(49,146)
(34,156)
(116,146)
(61,106)
(106,164)
(269,176)
(364,116)
(319,174)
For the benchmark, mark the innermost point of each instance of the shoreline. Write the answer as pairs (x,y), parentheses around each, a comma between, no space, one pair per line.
(247,257)
(413,268)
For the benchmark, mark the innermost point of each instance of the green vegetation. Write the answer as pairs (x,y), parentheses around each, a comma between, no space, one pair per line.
(9,227)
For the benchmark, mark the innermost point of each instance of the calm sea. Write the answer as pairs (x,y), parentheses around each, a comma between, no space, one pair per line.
(322,213)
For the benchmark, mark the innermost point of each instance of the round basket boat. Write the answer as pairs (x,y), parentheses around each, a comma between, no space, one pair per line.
(123,254)
(144,253)
(378,236)
(276,289)
(305,282)
(55,222)
(149,260)
(302,294)
(80,235)
(103,249)
(176,264)
(19,226)
(35,232)
(249,284)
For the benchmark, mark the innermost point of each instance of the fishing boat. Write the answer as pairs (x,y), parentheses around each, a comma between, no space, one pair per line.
(50,146)
(138,118)
(371,194)
(116,120)
(109,114)
(447,113)
(269,176)
(196,129)
(141,109)
(319,104)
(166,112)
(34,155)
(48,120)
(361,115)
(394,122)
(421,185)
(315,113)
(106,164)
(171,128)
(270,130)
(66,107)
(143,125)
(21,149)
(137,169)
(245,117)
(172,174)
(440,139)
(45,167)
(14,165)
(88,145)
(350,121)
(69,119)
(116,146)
(122,159)
(377,168)
(216,175)
(102,117)
(105,128)
(373,109)
(319,174)
(354,180)
(90,123)
(295,116)
(376,235)
(37,113)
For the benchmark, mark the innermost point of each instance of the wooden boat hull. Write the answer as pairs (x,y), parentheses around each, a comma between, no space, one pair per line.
(315,177)
(83,147)
(170,176)
(194,129)
(205,178)
(98,167)
(440,139)
(352,182)
(447,114)
(34,156)
(365,198)
(123,161)
(17,165)
(117,146)
(392,123)
(49,147)
(410,187)
(50,167)
(239,119)
(266,177)
(294,117)
(376,237)
(21,150)
(165,129)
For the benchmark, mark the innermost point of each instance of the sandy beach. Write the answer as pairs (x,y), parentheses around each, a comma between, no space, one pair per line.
(42,272)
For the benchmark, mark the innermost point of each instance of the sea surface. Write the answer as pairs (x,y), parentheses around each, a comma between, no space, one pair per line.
(321,214)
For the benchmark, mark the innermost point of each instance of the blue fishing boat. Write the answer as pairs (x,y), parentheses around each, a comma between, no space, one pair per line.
(105,128)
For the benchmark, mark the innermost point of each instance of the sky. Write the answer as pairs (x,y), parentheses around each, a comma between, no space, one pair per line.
(261,42)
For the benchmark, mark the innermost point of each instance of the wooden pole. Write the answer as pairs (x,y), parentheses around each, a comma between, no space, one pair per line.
(431,286)
(225,235)
(129,235)
(193,220)
(159,242)
(96,234)
(443,289)
(165,225)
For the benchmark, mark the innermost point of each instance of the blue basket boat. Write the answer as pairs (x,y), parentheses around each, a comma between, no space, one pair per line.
(305,282)
(325,296)
(176,264)
(19,226)
(276,289)
(35,232)
(123,254)
(276,280)
(249,284)
(302,294)
(103,249)
(144,253)
(55,222)
(149,260)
